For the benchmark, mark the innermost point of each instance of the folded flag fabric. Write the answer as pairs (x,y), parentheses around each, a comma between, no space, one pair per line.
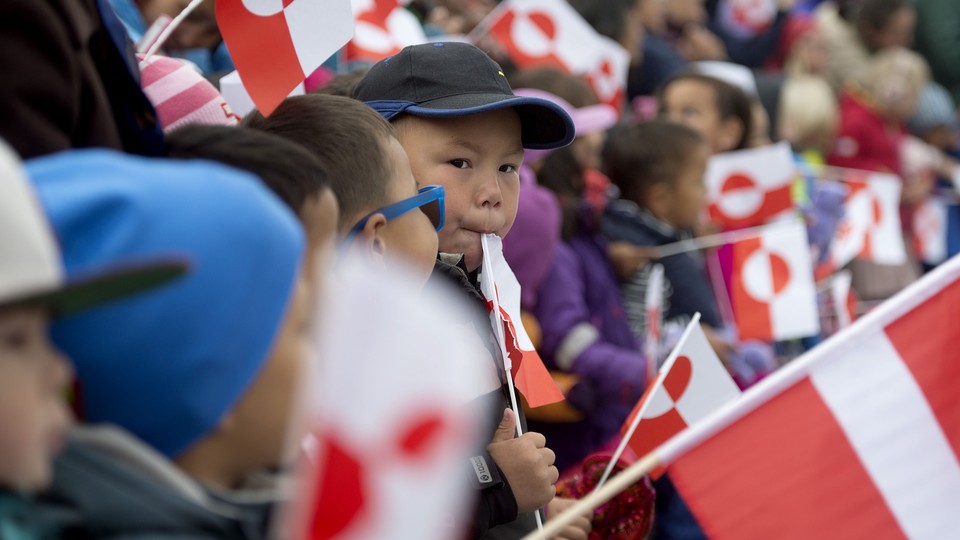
(501,290)
(859,438)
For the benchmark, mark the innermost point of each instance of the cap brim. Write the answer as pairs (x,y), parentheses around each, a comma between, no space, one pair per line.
(544,125)
(86,291)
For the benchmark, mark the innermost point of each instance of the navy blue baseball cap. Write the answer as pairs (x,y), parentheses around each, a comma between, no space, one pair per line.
(448,80)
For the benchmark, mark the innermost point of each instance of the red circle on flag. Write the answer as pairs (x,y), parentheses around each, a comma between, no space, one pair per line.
(678,378)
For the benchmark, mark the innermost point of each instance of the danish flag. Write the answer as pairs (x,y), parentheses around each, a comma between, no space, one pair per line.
(774,296)
(551,33)
(750,187)
(692,384)
(276,44)
(383,28)
(501,290)
(869,421)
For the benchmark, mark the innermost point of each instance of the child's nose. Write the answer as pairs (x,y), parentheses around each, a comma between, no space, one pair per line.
(490,195)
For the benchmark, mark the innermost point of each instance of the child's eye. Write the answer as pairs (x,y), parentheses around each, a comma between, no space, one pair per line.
(460,163)
(507,168)
(15,339)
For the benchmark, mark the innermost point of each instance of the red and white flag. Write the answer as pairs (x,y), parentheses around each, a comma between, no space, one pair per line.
(551,33)
(859,438)
(774,295)
(844,302)
(383,28)
(930,221)
(389,433)
(276,44)
(501,290)
(653,319)
(870,228)
(750,187)
(692,384)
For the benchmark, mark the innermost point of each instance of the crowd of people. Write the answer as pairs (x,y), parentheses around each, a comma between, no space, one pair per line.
(162,258)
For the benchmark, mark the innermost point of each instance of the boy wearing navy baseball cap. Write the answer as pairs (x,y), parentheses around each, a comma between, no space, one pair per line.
(464,129)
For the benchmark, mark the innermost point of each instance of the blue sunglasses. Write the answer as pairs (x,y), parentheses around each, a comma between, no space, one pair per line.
(429,200)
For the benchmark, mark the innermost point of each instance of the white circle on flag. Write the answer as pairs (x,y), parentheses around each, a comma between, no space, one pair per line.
(740,196)
(765,275)
(263,8)
(373,38)
(535,40)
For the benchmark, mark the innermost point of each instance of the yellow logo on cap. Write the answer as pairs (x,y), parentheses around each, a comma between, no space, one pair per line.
(501,74)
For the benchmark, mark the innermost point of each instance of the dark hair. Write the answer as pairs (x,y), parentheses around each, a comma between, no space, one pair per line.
(638,156)
(571,88)
(607,17)
(287,168)
(877,13)
(342,84)
(732,102)
(349,138)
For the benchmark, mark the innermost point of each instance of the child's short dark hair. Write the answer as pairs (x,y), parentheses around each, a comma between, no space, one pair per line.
(732,102)
(343,84)
(287,168)
(641,155)
(349,138)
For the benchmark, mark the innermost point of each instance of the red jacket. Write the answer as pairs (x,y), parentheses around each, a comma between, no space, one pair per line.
(864,139)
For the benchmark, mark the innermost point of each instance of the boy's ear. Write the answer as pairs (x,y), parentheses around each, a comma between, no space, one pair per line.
(659,198)
(731,131)
(372,234)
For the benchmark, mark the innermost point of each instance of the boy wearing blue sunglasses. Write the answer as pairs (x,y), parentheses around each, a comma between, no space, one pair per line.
(385,214)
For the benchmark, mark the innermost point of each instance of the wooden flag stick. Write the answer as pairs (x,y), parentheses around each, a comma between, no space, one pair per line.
(162,38)
(649,394)
(588,504)
(714,240)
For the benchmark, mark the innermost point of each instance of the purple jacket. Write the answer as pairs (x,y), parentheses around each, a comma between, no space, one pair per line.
(585,332)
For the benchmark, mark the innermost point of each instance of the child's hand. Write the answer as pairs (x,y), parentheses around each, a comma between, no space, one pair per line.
(526,462)
(579,529)
(627,258)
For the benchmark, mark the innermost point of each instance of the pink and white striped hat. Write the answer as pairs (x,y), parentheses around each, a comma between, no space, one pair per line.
(181,95)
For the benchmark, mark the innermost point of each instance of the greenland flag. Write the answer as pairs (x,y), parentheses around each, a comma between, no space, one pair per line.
(868,420)
(276,44)
(930,221)
(750,187)
(692,384)
(870,228)
(383,28)
(551,33)
(501,290)
(389,432)
(774,296)
(653,318)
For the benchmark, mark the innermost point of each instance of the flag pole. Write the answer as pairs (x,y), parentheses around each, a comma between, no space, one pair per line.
(713,240)
(588,504)
(162,38)
(508,369)
(652,388)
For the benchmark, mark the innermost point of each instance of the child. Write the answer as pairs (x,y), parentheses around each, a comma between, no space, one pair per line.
(807,116)
(463,128)
(370,175)
(719,111)
(188,390)
(288,169)
(34,376)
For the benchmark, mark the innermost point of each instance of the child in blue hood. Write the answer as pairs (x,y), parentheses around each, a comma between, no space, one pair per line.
(188,390)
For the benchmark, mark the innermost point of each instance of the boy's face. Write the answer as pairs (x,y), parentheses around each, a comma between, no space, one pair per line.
(693,104)
(476,159)
(688,195)
(411,236)
(262,416)
(33,411)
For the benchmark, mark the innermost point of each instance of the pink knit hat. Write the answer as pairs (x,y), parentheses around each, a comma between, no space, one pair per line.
(181,95)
